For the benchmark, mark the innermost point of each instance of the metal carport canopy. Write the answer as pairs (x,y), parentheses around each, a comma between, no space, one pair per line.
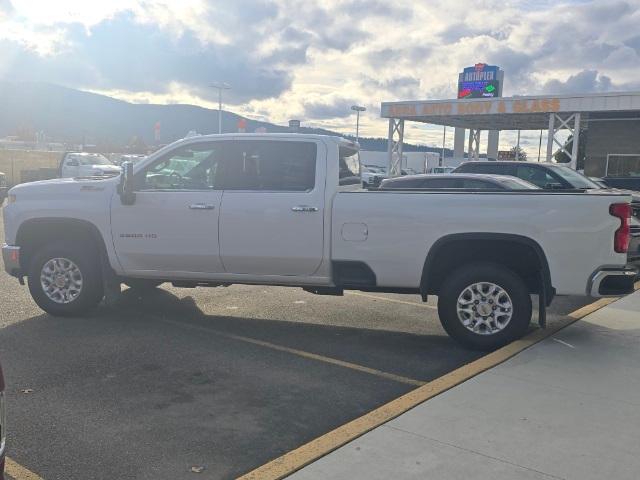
(514,113)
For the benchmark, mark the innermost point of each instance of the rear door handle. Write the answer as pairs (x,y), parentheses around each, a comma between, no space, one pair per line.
(304,208)
(201,206)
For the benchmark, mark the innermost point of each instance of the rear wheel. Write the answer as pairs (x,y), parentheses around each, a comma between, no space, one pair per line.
(484,306)
(65,279)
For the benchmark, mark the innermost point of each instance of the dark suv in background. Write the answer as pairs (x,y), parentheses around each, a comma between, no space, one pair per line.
(549,176)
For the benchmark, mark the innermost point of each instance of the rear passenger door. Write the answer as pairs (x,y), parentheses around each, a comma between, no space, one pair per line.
(272,209)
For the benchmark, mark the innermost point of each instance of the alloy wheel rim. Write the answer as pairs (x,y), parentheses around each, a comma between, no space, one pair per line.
(484,308)
(61,280)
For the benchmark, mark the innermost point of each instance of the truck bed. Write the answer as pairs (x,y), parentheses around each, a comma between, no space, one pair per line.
(392,231)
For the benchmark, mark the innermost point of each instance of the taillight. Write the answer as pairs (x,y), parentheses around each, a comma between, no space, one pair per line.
(623,234)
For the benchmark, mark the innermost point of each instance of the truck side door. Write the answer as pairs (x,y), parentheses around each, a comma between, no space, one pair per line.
(272,211)
(172,228)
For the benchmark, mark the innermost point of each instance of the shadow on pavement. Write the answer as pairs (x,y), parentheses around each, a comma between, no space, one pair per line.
(132,391)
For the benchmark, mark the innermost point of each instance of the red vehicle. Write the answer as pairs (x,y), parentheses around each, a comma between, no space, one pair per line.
(3,424)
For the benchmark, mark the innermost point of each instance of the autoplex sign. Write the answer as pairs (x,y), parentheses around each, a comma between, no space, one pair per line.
(479,81)
(480,107)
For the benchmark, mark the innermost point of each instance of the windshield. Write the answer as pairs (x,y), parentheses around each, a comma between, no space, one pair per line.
(517,184)
(90,159)
(599,182)
(577,180)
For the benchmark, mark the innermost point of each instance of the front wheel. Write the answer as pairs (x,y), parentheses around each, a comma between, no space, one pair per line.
(65,279)
(484,306)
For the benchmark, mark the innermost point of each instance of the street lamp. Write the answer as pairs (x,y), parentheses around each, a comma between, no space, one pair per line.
(358,109)
(220,86)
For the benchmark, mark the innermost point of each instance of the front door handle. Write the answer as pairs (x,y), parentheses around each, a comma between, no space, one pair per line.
(201,206)
(304,208)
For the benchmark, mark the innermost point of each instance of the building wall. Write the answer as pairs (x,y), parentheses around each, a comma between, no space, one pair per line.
(609,137)
(415,160)
(14,163)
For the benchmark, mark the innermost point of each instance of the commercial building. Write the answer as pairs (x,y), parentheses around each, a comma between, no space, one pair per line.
(610,123)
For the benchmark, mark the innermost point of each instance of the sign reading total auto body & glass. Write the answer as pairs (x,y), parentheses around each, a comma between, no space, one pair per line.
(479,81)
(440,108)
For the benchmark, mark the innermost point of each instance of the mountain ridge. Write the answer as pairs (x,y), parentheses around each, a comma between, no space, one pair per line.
(76,116)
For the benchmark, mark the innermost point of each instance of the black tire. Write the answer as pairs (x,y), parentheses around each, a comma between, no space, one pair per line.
(142,284)
(87,261)
(458,281)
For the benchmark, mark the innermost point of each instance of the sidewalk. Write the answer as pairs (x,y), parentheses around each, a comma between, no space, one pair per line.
(568,407)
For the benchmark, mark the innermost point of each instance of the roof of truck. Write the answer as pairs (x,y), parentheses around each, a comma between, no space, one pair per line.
(342,142)
(336,138)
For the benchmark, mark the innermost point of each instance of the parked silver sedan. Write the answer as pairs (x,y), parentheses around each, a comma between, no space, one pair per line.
(466,181)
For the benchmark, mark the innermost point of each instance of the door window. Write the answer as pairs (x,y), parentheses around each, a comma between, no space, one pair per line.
(489,168)
(538,176)
(270,166)
(192,167)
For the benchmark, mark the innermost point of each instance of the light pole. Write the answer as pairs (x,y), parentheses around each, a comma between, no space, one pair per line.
(220,86)
(358,109)
(444,139)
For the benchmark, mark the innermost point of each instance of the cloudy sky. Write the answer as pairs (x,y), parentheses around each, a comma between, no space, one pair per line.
(313,60)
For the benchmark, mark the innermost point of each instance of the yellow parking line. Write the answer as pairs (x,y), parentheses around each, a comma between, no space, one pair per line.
(592,307)
(393,300)
(18,472)
(301,353)
(321,446)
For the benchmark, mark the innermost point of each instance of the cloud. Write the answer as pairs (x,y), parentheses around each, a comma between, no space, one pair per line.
(120,53)
(6,8)
(458,31)
(406,85)
(287,58)
(586,81)
(329,108)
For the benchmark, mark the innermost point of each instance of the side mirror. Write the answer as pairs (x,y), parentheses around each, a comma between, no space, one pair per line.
(553,186)
(125,189)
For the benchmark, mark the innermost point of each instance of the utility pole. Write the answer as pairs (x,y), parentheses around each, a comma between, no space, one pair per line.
(444,138)
(220,86)
(539,146)
(358,109)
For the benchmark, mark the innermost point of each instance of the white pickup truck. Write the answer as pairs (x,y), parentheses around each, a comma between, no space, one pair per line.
(268,209)
(83,164)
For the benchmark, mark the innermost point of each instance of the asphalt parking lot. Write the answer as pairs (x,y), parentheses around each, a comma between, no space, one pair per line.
(221,380)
